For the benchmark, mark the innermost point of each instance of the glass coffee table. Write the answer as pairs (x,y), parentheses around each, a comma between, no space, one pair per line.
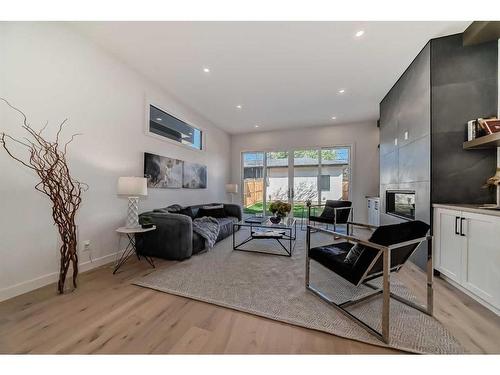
(284,233)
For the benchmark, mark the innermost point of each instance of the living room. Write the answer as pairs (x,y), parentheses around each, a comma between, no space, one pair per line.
(249,187)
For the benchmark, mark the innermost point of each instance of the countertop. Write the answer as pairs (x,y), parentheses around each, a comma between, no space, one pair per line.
(474,208)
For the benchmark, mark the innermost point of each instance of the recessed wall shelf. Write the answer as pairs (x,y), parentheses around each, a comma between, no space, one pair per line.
(487,141)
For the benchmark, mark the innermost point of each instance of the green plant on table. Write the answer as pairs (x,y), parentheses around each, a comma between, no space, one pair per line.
(280,209)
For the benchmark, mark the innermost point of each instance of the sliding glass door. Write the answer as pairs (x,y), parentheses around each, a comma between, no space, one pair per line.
(305,179)
(295,176)
(277,181)
(335,173)
(253,182)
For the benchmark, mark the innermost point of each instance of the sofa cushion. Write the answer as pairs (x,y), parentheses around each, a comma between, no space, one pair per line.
(198,243)
(328,213)
(332,257)
(225,227)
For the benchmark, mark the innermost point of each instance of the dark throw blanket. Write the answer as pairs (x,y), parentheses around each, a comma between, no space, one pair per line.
(208,228)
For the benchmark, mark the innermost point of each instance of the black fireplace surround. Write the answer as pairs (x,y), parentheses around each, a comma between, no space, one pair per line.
(400,203)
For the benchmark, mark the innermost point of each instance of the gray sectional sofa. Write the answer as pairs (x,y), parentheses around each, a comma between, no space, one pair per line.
(174,238)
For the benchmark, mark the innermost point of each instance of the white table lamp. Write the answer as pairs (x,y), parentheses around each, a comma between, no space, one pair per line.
(133,188)
(232,189)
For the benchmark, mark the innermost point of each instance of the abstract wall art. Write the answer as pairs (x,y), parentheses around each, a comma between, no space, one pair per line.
(194,176)
(162,172)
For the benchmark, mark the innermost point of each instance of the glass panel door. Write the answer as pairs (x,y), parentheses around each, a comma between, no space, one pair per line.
(253,182)
(334,182)
(316,174)
(305,180)
(276,178)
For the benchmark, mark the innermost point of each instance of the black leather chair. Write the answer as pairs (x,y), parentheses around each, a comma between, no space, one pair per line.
(334,212)
(359,261)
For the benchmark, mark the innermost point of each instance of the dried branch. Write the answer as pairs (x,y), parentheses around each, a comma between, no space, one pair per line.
(48,160)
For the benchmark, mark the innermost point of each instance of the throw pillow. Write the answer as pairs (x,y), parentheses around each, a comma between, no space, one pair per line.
(353,254)
(174,208)
(212,211)
(186,211)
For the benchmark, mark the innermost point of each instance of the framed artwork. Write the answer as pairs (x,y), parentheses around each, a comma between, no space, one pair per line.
(162,172)
(194,176)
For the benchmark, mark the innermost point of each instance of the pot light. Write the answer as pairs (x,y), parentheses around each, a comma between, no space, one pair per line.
(206,70)
(360,33)
(341,91)
(158,119)
(256,126)
(334,117)
(239,106)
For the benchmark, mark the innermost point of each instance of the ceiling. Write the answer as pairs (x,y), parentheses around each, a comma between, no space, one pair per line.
(283,74)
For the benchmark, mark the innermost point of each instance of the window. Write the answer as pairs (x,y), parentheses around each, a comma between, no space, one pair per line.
(253,182)
(168,126)
(296,176)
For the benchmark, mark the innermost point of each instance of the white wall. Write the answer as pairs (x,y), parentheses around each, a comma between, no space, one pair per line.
(51,73)
(365,164)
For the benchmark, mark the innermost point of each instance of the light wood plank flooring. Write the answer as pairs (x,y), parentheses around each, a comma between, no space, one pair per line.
(106,314)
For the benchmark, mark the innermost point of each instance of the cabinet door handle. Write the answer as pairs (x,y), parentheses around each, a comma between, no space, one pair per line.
(461,226)
(456,224)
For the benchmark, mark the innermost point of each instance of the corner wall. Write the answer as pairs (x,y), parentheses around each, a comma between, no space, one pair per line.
(464,84)
(51,72)
(363,136)
(405,165)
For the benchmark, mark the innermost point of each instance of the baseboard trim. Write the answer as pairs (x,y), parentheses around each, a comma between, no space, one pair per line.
(30,285)
(475,297)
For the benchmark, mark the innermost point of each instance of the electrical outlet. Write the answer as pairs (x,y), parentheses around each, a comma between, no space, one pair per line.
(86,245)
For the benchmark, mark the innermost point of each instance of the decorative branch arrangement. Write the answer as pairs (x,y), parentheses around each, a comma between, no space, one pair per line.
(48,160)
(494,181)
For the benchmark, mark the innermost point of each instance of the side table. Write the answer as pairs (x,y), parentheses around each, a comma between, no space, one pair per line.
(131,247)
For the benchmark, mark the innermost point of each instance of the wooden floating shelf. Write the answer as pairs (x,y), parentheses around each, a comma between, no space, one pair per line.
(487,141)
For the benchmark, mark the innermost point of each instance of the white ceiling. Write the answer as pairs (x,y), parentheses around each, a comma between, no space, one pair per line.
(284,74)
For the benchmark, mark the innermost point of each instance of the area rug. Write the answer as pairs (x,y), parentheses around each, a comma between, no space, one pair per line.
(273,287)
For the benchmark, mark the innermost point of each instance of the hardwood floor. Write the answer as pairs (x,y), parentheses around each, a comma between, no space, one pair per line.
(107,314)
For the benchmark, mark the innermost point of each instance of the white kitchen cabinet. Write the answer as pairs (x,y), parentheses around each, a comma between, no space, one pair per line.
(467,252)
(373,211)
(449,242)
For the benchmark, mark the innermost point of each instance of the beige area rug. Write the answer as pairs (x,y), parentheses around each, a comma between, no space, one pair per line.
(273,287)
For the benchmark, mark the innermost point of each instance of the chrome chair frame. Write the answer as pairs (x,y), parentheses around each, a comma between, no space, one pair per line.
(335,209)
(385,252)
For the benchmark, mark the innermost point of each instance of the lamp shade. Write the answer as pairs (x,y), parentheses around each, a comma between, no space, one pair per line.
(232,188)
(132,186)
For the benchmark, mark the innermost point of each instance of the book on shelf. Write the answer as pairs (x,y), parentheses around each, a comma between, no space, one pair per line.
(488,126)
(493,125)
(471,130)
(480,127)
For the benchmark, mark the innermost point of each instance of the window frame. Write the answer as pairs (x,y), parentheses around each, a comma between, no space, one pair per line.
(202,130)
(290,150)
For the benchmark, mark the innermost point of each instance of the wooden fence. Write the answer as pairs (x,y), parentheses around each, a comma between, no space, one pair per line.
(253,191)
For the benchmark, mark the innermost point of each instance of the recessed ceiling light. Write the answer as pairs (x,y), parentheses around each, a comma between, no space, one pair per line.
(158,119)
(359,33)
(239,106)
(341,91)
(206,70)
(256,126)
(334,117)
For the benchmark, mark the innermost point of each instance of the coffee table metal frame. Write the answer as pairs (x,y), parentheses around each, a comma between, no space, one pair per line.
(289,235)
